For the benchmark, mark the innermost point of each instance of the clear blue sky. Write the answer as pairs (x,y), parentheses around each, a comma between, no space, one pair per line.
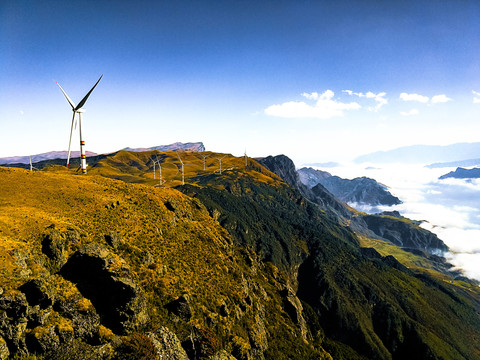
(315,80)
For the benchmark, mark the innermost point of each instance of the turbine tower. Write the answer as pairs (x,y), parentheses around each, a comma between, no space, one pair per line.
(183,173)
(77,109)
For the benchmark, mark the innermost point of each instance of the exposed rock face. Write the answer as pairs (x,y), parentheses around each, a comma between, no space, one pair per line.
(38,292)
(403,234)
(293,307)
(13,321)
(4,352)
(167,345)
(106,280)
(284,167)
(181,307)
(362,190)
(113,239)
(311,177)
(54,246)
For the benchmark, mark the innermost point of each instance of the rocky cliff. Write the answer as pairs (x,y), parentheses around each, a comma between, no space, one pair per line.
(362,190)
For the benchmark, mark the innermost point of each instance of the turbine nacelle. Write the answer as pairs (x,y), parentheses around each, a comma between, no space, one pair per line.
(80,111)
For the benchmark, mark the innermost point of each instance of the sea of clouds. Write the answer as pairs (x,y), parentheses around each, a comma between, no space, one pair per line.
(449,208)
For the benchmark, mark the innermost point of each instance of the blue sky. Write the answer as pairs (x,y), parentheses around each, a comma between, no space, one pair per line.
(315,80)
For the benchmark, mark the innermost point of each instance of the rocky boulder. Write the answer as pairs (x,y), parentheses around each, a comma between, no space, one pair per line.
(180,307)
(105,279)
(167,344)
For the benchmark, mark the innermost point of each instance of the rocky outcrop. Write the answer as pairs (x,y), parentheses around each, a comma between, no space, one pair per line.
(13,321)
(404,234)
(311,177)
(284,167)
(461,173)
(180,307)
(106,280)
(167,345)
(362,190)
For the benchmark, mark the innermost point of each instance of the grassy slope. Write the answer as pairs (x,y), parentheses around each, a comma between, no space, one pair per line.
(191,252)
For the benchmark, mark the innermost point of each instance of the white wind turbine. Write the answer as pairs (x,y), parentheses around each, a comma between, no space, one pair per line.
(78,110)
(183,167)
(220,163)
(156,161)
(31,166)
(183,173)
(204,157)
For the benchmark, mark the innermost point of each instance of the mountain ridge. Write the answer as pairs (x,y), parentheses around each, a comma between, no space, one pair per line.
(56,155)
(423,154)
(362,190)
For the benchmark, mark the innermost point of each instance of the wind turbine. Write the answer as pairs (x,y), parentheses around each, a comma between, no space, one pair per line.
(156,161)
(204,157)
(246,158)
(220,163)
(31,166)
(77,109)
(183,173)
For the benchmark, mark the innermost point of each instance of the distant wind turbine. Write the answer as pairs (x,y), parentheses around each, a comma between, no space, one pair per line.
(204,157)
(246,159)
(156,161)
(77,109)
(220,163)
(183,172)
(31,166)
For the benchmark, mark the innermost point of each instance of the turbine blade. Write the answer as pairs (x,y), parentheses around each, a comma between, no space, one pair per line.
(70,141)
(84,100)
(66,96)
(179,159)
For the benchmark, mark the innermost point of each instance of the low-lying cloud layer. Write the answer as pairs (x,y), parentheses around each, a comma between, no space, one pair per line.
(450,207)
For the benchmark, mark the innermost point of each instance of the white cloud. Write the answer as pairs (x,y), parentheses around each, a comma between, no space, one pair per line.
(440,99)
(410,113)
(414,97)
(312,96)
(379,98)
(325,107)
(476,97)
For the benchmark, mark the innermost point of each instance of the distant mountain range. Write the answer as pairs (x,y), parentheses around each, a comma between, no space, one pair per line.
(462,163)
(363,190)
(424,154)
(191,146)
(42,157)
(52,155)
